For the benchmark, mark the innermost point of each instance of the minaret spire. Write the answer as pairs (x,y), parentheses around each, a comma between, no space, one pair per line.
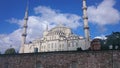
(86,27)
(25,26)
(24,34)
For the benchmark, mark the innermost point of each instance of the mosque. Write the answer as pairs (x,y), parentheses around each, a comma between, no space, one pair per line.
(57,49)
(59,38)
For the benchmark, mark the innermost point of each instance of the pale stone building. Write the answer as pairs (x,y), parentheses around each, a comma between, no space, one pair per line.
(59,38)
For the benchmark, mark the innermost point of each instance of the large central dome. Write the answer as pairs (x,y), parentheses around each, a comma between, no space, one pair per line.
(59,30)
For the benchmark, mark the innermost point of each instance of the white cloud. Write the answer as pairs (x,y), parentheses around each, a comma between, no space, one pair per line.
(37,24)
(104,13)
(12,39)
(15,21)
(53,16)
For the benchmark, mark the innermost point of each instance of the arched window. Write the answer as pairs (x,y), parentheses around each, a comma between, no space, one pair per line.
(52,45)
(36,50)
(73,65)
(76,44)
(71,44)
(39,65)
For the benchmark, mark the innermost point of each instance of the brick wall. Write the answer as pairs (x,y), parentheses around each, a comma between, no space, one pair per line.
(78,59)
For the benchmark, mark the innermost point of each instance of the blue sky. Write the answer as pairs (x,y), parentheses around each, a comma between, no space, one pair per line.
(104,18)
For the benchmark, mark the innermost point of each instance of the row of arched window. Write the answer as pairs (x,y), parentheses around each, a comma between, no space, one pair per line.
(54,46)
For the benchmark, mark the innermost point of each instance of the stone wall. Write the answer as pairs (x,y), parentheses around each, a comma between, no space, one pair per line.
(71,59)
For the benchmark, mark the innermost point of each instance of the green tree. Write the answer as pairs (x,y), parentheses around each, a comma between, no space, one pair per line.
(10,51)
(104,46)
(113,39)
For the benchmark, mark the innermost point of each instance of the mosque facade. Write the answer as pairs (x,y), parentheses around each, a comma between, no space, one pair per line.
(59,38)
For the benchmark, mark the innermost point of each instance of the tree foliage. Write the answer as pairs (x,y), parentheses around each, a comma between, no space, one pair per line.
(10,51)
(113,39)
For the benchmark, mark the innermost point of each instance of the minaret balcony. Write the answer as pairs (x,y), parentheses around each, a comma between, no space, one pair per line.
(85,17)
(25,26)
(24,34)
(26,18)
(84,8)
(86,27)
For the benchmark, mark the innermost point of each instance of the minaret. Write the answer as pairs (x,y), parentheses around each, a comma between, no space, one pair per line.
(24,34)
(86,27)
